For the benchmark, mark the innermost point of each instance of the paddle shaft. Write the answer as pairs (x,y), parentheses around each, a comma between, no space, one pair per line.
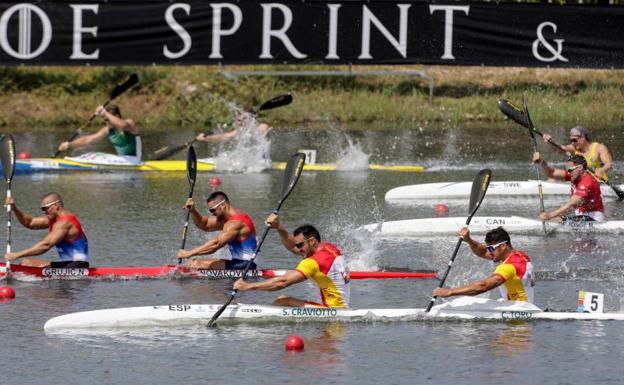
(448,267)
(8,228)
(211,323)
(186,222)
(540,191)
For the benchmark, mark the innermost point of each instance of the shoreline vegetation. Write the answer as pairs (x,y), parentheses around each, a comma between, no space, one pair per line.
(55,98)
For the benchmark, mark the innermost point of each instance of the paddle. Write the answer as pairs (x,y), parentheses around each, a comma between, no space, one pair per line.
(191,174)
(531,129)
(517,115)
(168,151)
(7,157)
(479,187)
(118,90)
(291,176)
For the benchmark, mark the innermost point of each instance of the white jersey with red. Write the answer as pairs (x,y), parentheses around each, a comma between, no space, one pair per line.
(588,189)
(328,269)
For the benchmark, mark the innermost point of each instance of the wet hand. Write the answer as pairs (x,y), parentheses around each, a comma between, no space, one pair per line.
(201,137)
(240,285)
(10,201)
(537,157)
(63,146)
(189,205)
(441,292)
(464,234)
(100,111)
(273,221)
(544,216)
(10,256)
(183,254)
(547,138)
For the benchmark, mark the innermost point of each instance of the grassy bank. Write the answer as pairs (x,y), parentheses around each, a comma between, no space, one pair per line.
(41,98)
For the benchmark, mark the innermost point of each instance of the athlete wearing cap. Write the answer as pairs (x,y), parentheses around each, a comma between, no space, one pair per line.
(596,154)
(586,197)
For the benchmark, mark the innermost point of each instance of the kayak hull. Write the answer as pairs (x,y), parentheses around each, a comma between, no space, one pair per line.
(461,190)
(481,225)
(52,165)
(20,272)
(461,308)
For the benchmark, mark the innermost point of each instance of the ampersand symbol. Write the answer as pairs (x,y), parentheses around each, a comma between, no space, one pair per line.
(541,40)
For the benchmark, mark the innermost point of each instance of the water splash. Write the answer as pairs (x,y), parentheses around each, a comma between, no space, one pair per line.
(352,157)
(249,151)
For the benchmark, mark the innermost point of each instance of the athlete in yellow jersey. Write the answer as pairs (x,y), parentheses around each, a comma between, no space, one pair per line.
(322,263)
(597,154)
(514,276)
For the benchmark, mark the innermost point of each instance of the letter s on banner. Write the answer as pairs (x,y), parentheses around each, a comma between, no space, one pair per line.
(24,50)
(177,28)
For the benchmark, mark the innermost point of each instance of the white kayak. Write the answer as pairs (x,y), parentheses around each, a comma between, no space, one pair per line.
(481,225)
(461,190)
(462,308)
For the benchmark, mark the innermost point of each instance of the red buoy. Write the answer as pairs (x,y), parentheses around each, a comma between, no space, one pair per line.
(23,155)
(441,209)
(6,292)
(294,342)
(215,181)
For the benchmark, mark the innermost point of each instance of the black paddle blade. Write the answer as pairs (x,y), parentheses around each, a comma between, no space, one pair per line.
(479,188)
(169,151)
(123,87)
(293,170)
(514,113)
(525,110)
(191,166)
(7,156)
(278,101)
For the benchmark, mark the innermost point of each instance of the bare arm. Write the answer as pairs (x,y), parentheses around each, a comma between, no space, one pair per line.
(27,220)
(60,231)
(290,278)
(230,231)
(574,201)
(605,159)
(287,240)
(85,140)
(214,138)
(478,248)
(474,288)
(551,172)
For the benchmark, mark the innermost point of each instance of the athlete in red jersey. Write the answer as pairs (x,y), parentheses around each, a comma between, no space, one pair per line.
(65,233)
(514,276)
(586,197)
(322,263)
(237,232)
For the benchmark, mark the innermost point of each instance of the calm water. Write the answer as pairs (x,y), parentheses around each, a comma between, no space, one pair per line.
(137,218)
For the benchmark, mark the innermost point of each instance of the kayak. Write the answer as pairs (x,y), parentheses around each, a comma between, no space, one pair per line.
(461,190)
(167,271)
(460,308)
(481,225)
(40,165)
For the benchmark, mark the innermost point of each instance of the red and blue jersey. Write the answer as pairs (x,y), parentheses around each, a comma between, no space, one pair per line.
(243,249)
(76,249)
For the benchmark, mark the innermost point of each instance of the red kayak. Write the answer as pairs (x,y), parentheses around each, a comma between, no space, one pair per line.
(167,271)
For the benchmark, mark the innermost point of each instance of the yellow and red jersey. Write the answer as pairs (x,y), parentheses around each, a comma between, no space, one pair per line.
(328,269)
(517,271)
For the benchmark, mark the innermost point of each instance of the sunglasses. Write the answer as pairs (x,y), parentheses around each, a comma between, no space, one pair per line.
(213,209)
(570,169)
(491,248)
(574,140)
(45,207)
(302,243)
